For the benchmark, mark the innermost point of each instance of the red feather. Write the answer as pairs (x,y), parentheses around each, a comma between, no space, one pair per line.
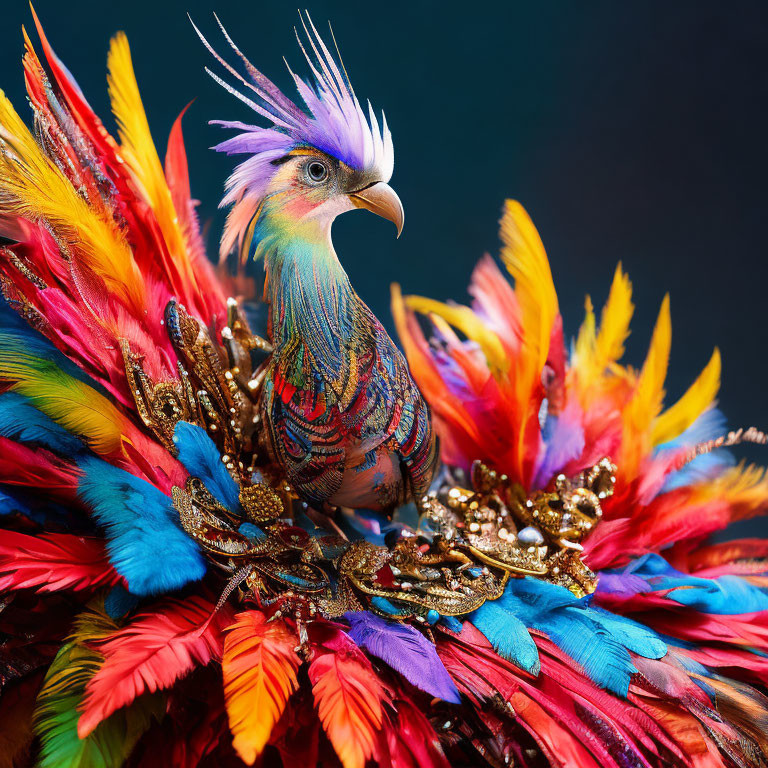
(349,698)
(38,469)
(411,740)
(152,653)
(53,562)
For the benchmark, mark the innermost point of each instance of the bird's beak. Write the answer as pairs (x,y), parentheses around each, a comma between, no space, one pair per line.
(383,201)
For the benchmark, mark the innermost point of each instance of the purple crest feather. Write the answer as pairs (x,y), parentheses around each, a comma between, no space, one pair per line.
(406,650)
(332,121)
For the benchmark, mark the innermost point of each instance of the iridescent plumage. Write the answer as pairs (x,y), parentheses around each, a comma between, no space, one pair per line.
(346,422)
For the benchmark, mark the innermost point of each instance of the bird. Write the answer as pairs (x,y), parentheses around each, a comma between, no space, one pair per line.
(346,423)
(167,594)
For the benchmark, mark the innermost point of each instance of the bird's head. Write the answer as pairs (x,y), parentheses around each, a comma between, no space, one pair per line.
(309,164)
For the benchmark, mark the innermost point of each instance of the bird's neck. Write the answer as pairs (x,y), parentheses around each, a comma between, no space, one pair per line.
(310,297)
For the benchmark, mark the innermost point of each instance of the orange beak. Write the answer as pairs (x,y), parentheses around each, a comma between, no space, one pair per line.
(382,200)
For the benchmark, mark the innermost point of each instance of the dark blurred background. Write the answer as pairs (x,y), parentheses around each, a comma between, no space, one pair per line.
(633,131)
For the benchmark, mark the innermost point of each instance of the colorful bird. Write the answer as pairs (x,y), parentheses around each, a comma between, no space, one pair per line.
(346,422)
(166,600)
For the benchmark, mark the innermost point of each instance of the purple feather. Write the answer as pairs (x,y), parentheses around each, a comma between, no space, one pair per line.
(406,650)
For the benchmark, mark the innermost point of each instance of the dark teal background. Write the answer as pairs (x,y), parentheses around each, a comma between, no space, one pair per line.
(632,130)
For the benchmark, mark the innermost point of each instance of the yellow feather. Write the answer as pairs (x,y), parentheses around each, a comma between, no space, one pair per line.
(69,402)
(586,340)
(137,147)
(743,487)
(526,260)
(648,397)
(469,324)
(597,353)
(676,419)
(32,187)
(614,321)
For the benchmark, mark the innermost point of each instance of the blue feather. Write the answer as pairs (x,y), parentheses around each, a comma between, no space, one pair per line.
(17,338)
(119,601)
(406,650)
(144,541)
(201,458)
(451,623)
(725,595)
(10,505)
(508,636)
(597,640)
(21,421)
(710,424)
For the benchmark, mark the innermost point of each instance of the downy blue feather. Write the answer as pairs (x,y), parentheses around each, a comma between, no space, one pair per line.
(145,543)
(201,458)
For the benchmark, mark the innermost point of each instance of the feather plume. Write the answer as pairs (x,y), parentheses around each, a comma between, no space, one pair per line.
(138,149)
(74,405)
(201,458)
(38,469)
(20,420)
(508,636)
(36,189)
(349,698)
(594,354)
(700,396)
(406,650)
(598,640)
(524,256)
(645,404)
(177,175)
(150,654)
(110,744)
(469,324)
(411,739)
(53,562)
(259,666)
(146,544)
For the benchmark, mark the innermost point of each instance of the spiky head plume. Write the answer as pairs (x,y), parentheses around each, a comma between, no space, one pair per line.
(331,121)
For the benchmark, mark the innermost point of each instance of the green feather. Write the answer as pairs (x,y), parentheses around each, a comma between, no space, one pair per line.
(57,712)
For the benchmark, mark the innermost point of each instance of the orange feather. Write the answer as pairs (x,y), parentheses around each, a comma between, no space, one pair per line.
(349,697)
(259,666)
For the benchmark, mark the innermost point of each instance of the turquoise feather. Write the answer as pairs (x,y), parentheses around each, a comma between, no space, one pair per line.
(508,636)
(597,640)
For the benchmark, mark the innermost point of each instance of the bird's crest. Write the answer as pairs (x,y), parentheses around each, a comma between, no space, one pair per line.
(332,121)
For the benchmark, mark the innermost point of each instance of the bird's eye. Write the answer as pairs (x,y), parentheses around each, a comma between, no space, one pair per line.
(317,171)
